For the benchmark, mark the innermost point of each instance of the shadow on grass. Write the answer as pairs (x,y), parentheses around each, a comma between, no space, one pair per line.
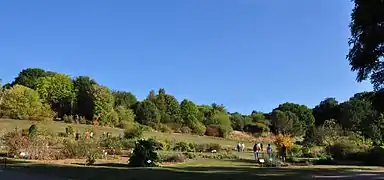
(121,171)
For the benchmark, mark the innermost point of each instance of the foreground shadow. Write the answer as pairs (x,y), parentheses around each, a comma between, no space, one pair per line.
(122,172)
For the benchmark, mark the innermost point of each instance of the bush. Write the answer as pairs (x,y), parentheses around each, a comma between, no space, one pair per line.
(134,132)
(198,128)
(175,158)
(91,158)
(213,130)
(182,146)
(79,149)
(32,131)
(342,150)
(69,130)
(186,130)
(144,154)
(68,119)
(283,139)
(176,127)
(213,146)
(375,156)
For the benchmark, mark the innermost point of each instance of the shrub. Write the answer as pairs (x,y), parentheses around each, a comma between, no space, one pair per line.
(213,130)
(32,131)
(176,127)
(198,128)
(186,130)
(91,158)
(201,147)
(213,146)
(144,154)
(69,130)
(111,143)
(342,150)
(181,146)
(296,151)
(175,158)
(82,120)
(283,139)
(375,156)
(190,155)
(134,132)
(68,119)
(78,149)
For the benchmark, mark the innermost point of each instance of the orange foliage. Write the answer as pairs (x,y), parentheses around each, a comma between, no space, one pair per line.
(283,139)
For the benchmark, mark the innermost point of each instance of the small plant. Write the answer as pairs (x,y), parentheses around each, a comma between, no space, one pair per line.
(186,130)
(69,130)
(32,131)
(91,158)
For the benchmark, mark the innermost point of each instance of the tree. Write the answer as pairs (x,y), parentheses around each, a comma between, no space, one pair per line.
(83,105)
(192,116)
(238,121)
(103,106)
(367,37)
(168,107)
(58,91)
(301,111)
(354,112)
(327,109)
(20,102)
(147,113)
(286,123)
(29,77)
(125,115)
(125,99)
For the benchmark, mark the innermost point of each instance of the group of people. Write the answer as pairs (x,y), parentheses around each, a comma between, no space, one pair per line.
(258,148)
(240,147)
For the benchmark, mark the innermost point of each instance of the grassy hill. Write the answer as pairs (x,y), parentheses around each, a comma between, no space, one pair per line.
(56,127)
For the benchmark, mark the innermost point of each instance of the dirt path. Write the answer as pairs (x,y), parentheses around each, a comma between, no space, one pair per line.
(13,175)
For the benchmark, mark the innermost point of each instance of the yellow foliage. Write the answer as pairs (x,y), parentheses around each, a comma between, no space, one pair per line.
(283,139)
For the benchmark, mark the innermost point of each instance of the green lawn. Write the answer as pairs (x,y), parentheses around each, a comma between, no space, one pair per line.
(194,169)
(9,125)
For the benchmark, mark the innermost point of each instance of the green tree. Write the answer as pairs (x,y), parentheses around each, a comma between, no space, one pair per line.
(192,117)
(147,113)
(168,107)
(301,111)
(286,123)
(58,91)
(29,77)
(103,106)
(125,115)
(367,37)
(238,121)
(20,102)
(125,99)
(354,112)
(222,119)
(83,105)
(327,109)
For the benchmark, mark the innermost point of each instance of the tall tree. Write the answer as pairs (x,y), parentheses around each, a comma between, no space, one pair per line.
(83,91)
(301,111)
(29,77)
(367,41)
(147,113)
(125,99)
(58,91)
(192,117)
(326,110)
(103,106)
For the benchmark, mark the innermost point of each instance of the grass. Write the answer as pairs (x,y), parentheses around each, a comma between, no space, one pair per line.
(195,169)
(56,127)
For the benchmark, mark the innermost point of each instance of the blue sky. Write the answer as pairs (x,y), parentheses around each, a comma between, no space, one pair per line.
(245,54)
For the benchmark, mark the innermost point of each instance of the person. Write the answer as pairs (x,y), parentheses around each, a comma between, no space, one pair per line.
(269,152)
(283,152)
(242,147)
(256,150)
(261,146)
(238,147)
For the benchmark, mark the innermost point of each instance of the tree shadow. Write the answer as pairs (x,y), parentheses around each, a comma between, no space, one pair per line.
(123,172)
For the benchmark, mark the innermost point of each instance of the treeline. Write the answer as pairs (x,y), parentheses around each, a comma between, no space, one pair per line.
(37,94)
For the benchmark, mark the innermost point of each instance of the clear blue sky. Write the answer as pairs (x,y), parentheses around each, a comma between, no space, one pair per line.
(245,54)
